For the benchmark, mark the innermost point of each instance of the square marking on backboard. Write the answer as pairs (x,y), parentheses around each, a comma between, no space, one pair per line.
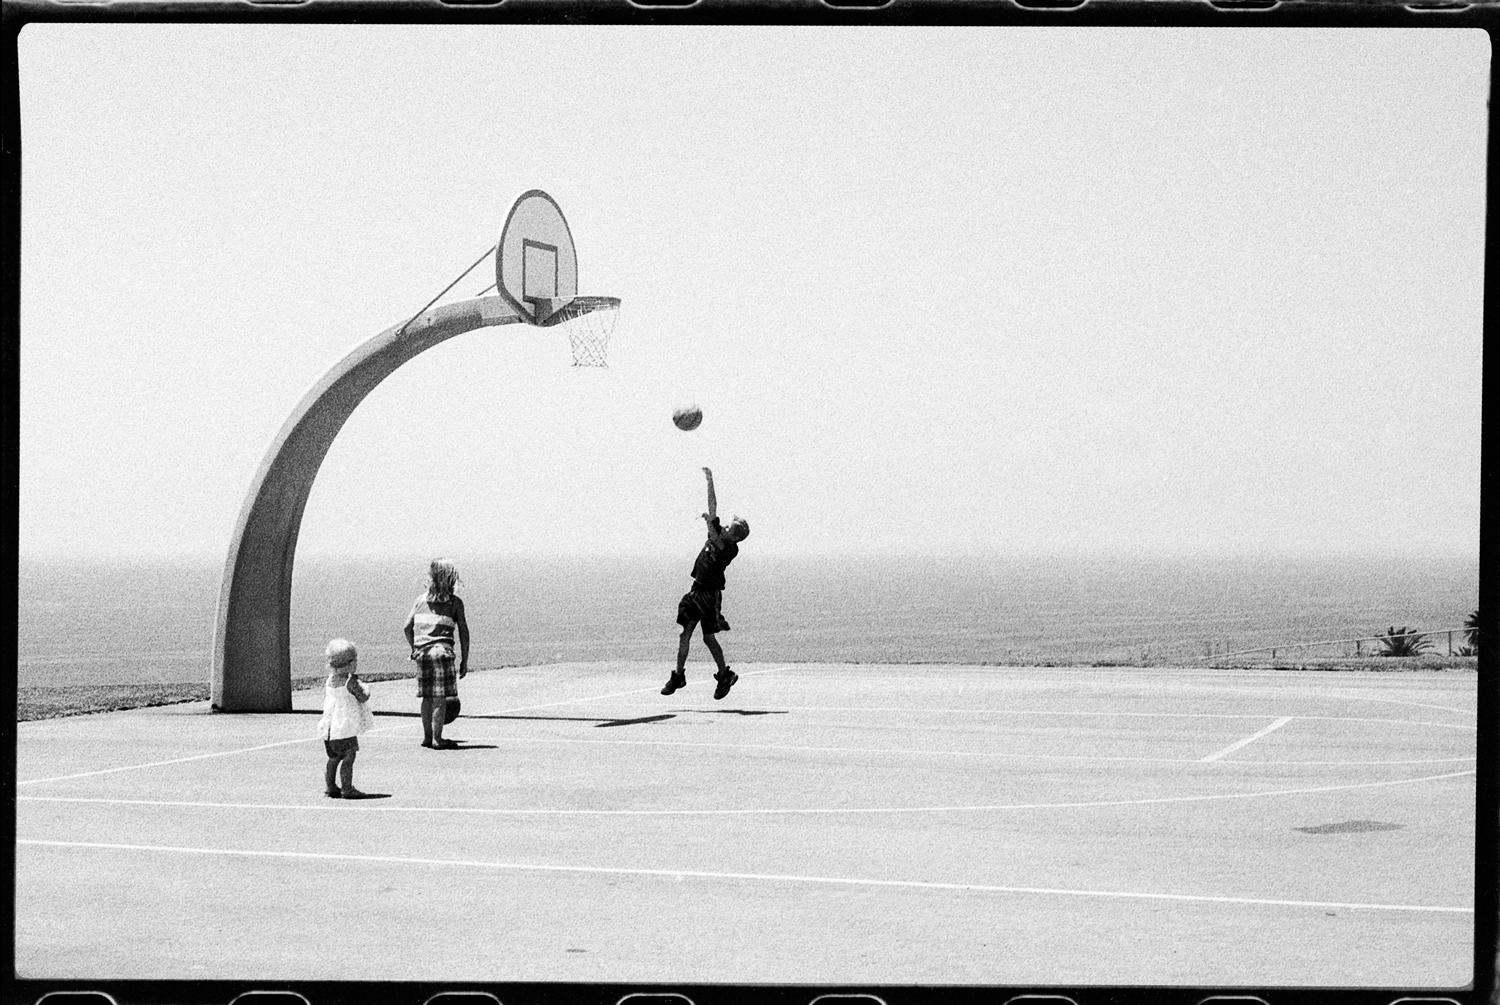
(538,269)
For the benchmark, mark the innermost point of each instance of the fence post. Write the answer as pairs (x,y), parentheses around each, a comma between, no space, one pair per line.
(1358,643)
(1450,643)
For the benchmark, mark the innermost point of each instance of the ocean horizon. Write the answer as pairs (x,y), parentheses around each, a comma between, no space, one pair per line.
(151,621)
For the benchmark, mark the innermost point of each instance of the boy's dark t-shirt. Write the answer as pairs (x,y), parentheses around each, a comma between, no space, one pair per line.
(708,570)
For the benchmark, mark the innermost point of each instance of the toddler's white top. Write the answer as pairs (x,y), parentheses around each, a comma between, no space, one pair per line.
(344,715)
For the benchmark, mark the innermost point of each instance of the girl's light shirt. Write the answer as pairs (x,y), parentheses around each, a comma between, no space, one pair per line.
(434,625)
(344,715)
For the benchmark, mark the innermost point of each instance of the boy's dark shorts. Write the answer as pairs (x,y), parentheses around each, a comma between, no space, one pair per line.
(701,605)
(338,748)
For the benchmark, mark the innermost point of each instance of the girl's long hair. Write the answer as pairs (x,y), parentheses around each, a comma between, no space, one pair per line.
(442,579)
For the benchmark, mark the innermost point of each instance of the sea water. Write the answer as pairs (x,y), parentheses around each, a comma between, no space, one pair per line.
(122,622)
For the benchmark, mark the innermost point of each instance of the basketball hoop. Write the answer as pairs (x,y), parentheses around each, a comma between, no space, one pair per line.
(589,321)
(536,271)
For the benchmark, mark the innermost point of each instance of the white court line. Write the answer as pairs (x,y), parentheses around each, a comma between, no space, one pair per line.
(927,752)
(1247,740)
(934,671)
(157,764)
(311,739)
(330,806)
(677,874)
(1245,690)
(853,669)
(910,710)
(1391,701)
(931,670)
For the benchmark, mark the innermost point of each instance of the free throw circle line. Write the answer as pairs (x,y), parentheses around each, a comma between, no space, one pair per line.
(747,876)
(326,806)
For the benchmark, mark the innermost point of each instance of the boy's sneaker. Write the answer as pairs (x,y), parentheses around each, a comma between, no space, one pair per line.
(674,682)
(333,794)
(727,680)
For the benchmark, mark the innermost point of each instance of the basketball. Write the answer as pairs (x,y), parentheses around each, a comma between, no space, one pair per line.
(687,417)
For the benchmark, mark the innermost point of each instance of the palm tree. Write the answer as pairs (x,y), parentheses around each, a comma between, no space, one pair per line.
(1471,631)
(1404,642)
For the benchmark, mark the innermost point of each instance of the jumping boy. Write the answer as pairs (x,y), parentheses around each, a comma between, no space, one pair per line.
(702,604)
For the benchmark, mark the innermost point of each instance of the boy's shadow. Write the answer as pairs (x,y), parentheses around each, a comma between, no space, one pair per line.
(412,715)
(367,795)
(597,721)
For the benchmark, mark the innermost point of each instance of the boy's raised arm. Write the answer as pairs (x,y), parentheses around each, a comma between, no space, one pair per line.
(713,502)
(716,535)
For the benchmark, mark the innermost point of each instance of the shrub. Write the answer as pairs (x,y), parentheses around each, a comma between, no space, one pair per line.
(1404,642)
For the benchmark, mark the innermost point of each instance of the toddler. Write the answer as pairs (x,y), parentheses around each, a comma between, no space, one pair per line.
(345,716)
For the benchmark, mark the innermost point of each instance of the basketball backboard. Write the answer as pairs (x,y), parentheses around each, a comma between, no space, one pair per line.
(536,265)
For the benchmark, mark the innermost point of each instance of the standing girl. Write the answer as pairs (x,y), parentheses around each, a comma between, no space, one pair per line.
(436,622)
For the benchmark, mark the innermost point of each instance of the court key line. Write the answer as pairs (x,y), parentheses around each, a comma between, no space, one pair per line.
(1247,740)
(677,874)
(327,806)
(311,739)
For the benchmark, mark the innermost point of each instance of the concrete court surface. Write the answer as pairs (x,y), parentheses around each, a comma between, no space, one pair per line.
(830,824)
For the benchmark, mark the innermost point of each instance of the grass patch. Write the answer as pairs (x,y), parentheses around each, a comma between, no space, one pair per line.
(1378,663)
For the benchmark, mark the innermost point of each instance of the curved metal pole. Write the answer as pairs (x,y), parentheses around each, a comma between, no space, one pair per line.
(252,636)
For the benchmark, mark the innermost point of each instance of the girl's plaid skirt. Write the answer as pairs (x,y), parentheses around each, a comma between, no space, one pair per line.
(436,675)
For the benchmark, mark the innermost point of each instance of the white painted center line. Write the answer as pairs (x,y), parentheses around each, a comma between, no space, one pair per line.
(325,806)
(1248,740)
(677,874)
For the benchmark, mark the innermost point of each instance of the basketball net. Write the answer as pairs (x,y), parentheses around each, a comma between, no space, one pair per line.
(590,321)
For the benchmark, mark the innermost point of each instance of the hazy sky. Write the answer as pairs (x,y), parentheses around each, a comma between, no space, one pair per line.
(935,289)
